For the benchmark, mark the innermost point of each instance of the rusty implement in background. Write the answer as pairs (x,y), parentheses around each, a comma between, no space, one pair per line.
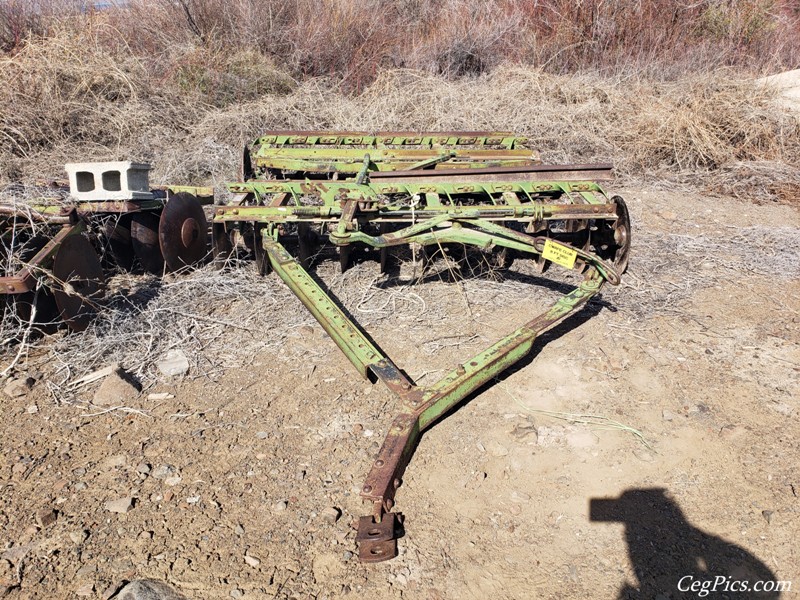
(51,248)
(511,209)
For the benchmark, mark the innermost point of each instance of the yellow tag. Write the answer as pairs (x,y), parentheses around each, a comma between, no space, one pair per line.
(559,254)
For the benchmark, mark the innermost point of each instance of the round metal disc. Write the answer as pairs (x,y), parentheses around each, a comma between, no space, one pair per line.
(118,234)
(22,305)
(182,232)
(263,266)
(144,240)
(622,234)
(78,281)
(501,258)
(222,248)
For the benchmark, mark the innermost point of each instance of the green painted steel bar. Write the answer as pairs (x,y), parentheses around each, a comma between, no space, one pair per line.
(470,375)
(350,340)
(349,165)
(433,402)
(429,162)
(505,139)
(331,191)
(536,211)
(450,235)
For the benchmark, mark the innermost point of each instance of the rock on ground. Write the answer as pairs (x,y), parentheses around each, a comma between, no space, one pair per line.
(115,391)
(148,589)
(16,388)
(174,363)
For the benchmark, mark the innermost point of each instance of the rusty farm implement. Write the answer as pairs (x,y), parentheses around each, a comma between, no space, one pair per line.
(304,196)
(53,270)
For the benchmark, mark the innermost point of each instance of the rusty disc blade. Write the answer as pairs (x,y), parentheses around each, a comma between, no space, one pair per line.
(120,245)
(144,240)
(35,308)
(263,266)
(44,320)
(183,232)
(622,234)
(78,281)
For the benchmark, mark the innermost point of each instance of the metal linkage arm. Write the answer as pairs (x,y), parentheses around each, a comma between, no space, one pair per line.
(421,406)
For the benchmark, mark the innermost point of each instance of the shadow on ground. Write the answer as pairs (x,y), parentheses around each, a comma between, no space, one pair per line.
(674,559)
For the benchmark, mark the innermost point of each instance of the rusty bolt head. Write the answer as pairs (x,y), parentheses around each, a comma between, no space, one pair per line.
(367,489)
(379,463)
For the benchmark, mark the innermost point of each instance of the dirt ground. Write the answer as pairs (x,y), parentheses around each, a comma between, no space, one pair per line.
(514,495)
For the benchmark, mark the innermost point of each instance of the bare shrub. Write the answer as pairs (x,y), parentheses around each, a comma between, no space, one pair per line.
(22,19)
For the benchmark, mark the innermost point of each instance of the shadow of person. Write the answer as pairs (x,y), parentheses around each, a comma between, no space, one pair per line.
(673,559)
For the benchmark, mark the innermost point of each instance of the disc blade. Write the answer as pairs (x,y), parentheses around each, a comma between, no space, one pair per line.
(183,232)
(622,234)
(78,281)
(222,249)
(120,245)
(144,240)
(46,317)
(35,309)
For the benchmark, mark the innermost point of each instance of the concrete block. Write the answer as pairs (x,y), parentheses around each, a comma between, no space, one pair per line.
(119,180)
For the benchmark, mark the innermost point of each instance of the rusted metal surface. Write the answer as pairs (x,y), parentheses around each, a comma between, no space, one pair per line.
(524,209)
(582,172)
(77,281)
(126,229)
(373,192)
(182,231)
(25,279)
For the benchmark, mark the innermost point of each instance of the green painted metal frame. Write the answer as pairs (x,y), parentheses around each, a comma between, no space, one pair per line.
(383,213)
(430,139)
(421,406)
(343,152)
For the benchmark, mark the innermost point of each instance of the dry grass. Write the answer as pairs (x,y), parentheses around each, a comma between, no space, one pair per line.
(99,105)
(353,40)
(235,318)
(184,85)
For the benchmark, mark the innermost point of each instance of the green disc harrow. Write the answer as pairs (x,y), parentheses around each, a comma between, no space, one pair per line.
(371,193)
(307,195)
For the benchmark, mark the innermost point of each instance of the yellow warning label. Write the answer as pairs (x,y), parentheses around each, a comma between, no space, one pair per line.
(559,254)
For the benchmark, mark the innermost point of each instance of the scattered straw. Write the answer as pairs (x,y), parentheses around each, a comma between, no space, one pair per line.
(593,421)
